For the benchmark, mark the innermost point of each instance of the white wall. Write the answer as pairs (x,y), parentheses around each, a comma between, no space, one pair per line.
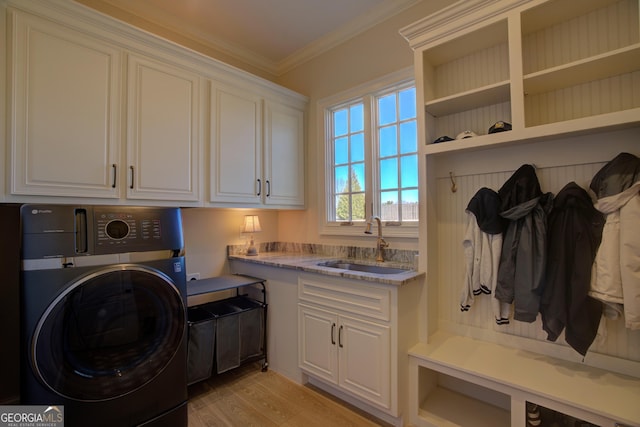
(372,54)
(208,231)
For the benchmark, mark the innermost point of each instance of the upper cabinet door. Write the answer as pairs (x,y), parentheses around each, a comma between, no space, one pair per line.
(236,146)
(163,131)
(64,111)
(284,155)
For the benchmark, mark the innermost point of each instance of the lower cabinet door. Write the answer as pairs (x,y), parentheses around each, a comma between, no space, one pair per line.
(364,352)
(351,353)
(318,349)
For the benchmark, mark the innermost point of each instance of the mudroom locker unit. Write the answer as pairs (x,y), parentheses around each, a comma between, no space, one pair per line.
(565,76)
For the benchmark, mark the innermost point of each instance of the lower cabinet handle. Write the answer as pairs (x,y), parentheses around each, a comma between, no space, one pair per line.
(259,187)
(340,337)
(132,175)
(333,333)
(115,170)
(268,188)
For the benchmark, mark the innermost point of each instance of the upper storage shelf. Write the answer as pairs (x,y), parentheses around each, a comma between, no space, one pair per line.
(468,72)
(555,67)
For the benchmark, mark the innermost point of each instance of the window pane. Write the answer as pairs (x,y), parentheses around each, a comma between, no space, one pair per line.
(341,151)
(340,122)
(408,137)
(389,173)
(342,208)
(357,178)
(410,196)
(357,147)
(387,109)
(407,104)
(388,141)
(357,118)
(409,208)
(389,206)
(409,171)
(341,179)
(358,207)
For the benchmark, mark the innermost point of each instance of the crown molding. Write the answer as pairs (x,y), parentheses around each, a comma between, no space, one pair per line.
(464,13)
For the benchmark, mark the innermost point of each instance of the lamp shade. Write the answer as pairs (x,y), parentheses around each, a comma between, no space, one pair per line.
(251,224)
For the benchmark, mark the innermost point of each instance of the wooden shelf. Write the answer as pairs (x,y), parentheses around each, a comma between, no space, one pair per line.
(442,408)
(616,62)
(602,122)
(487,95)
(219,283)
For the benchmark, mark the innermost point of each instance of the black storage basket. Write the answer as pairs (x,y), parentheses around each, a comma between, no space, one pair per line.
(239,331)
(202,331)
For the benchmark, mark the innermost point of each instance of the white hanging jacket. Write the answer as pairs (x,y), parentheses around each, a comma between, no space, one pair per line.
(482,247)
(616,276)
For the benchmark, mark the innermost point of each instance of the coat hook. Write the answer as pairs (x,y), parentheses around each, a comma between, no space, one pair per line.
(454,187)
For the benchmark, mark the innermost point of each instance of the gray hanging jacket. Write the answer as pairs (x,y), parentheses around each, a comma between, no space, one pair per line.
(523,258)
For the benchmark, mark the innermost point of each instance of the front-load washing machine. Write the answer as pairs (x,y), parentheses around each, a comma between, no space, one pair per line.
(103,314)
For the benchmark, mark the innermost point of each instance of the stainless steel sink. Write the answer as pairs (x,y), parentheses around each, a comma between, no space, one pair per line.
(365,268)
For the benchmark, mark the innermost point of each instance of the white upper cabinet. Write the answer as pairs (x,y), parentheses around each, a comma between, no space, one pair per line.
(257,150)
(99,111)
(236,146)
(163,131)
(64,111)
(283,155)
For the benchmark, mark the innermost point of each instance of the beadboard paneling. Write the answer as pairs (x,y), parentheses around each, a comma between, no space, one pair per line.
(588,99)
(476,70)
(619,341)
(593,33)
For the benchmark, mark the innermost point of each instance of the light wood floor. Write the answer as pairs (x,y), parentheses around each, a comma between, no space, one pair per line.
(248,397)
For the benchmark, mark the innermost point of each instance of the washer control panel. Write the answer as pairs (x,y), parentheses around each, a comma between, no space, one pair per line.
(55,231)
(131,228)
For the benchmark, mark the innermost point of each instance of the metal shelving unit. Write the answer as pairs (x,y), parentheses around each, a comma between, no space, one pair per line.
(230,333)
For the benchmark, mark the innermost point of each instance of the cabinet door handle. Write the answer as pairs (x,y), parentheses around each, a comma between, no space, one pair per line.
(268,188)
(259,187)
(115,170)
(333,333)
(340,336)
(132,175)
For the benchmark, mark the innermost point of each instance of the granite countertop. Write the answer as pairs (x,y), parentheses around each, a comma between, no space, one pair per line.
(308,262)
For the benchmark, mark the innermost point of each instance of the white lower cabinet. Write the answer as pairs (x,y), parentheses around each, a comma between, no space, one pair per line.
(353,342)
(349,352)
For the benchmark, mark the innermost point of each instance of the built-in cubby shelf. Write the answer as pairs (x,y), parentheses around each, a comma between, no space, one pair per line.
(536,64)
(620,61)
(468,100)
(461,381)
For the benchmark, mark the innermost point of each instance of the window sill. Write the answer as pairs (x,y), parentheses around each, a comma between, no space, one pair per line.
(404,231)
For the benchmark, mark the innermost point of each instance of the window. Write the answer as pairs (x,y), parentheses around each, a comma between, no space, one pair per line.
(371,163)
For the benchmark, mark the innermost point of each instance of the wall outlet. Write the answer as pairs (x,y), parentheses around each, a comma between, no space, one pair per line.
(193,276)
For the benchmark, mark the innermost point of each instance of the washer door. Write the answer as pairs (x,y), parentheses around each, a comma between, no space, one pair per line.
(109,333)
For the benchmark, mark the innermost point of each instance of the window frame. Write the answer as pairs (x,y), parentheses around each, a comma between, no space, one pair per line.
(368,94)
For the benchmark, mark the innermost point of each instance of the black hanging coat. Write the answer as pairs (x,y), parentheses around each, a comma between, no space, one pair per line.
(574,234)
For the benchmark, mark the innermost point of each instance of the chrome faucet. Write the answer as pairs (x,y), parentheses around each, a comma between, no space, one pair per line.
(381,242)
